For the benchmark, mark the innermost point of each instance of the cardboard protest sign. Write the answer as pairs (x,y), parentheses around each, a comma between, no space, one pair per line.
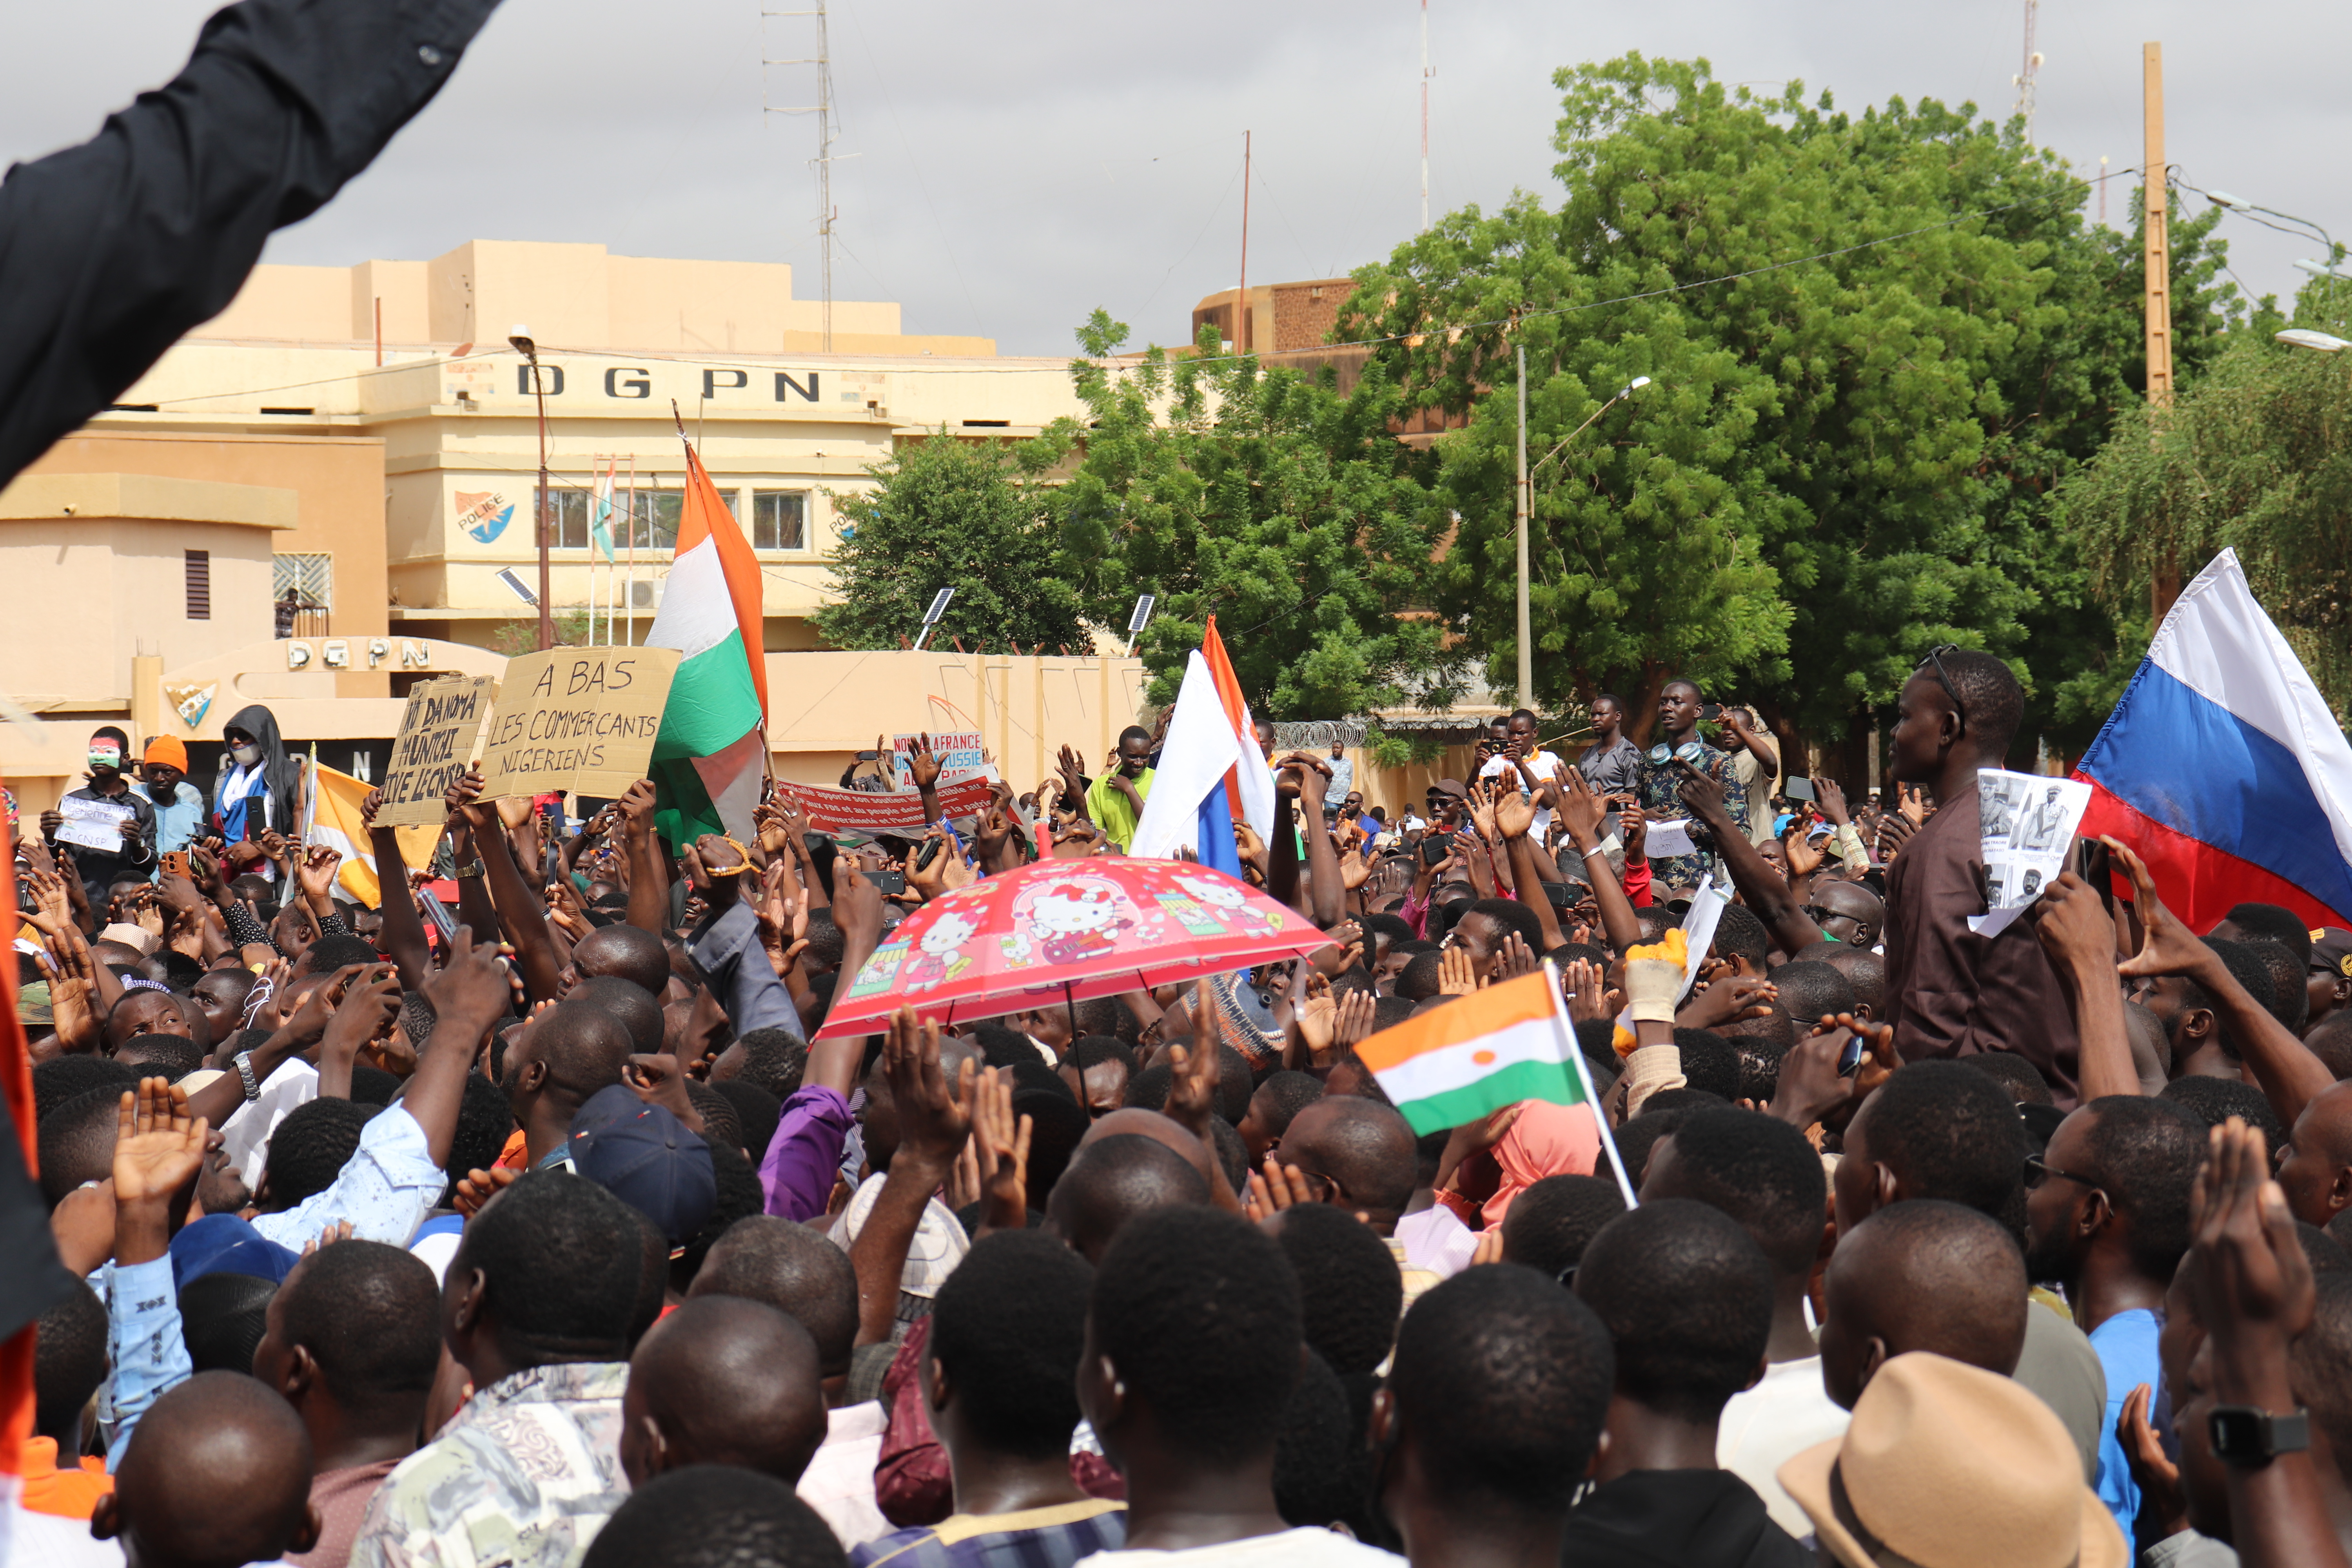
(579,718)
(900,812)
(436,744)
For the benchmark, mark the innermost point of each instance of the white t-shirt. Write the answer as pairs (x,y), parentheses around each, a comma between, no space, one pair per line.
(1543,766)
(1306,1547)
(1765,1427)
(839,1480)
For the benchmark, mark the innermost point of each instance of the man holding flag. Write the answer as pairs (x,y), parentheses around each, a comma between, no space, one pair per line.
(1212,770)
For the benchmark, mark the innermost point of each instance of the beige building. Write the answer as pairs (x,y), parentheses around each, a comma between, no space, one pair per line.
(331,487)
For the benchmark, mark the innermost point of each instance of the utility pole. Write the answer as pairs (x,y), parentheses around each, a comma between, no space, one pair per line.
(2156,184)
(1527,647)
(822,109)
(2024,79)
(1424,116)
(2103,190)
(524,345)
(1241,295)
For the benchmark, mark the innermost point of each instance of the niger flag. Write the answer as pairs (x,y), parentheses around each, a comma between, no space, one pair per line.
(33,1280)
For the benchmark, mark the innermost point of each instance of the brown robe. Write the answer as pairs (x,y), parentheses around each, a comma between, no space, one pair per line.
(1952,993)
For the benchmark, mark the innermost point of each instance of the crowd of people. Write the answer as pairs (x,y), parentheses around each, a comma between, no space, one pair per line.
(531,1222)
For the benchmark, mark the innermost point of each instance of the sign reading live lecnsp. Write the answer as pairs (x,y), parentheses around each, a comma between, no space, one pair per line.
(436,742)
(579,718)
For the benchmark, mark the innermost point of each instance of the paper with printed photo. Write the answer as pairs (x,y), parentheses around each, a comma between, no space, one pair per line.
(2026,822)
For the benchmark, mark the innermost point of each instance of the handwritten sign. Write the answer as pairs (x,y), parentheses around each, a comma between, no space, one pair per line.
(98,824)
(900,812)
(579,718)
(959,752)
(436,744)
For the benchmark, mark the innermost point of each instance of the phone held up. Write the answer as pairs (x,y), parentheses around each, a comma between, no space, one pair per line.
(1850,1056)
(1795,788)
(888,882)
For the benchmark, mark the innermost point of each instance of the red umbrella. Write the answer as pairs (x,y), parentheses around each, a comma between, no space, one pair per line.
(1062,930)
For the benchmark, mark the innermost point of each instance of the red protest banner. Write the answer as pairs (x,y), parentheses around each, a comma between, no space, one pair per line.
(900,812)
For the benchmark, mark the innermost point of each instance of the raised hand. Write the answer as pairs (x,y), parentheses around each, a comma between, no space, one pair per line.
(1582,982)
(1512,959)
(1352,1023)
(658,1078)
(317,873)
(1831,798)
(1482,809)
(1280,1187)
(159,1148)
(1457,975)
(934,1116)
(923,763)
(1193,1099)
(1701,795)
(2167,946)
(2158,1477)
(366,1014)
(1580,810)
(1723,1000)
(477,1187)
(1514,815)
(1001,1141)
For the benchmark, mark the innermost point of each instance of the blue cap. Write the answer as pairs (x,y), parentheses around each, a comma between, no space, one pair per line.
(647,1158)
(224,1244)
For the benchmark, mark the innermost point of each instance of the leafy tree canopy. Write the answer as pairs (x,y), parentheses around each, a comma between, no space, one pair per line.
(1876,343)
(950,514)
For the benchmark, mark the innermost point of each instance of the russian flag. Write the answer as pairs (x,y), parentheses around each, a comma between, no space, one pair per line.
(1211,773)
(2222,767)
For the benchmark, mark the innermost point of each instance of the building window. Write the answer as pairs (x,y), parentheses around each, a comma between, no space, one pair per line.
(199,566)
(568,512)
(657,512)
(780,520)
(301,592)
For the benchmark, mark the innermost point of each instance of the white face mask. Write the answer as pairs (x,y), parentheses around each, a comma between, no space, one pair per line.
(245,755)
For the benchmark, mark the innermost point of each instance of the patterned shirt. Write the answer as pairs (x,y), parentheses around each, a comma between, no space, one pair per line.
(1035,1538)
(525,1475)
(1662,801)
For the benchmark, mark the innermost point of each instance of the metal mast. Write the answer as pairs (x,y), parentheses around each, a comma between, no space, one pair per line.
(2024,79)
(1424,116)
(822,109)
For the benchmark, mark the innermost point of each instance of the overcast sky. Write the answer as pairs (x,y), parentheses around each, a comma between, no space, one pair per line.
(1009,167)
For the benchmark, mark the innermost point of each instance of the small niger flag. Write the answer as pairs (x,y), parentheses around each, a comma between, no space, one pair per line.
(1510,1042)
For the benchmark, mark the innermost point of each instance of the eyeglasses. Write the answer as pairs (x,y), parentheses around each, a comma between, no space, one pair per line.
(2038,1170)
(1935,657)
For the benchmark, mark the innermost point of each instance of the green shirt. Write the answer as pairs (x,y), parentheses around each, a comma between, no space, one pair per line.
(1113,812)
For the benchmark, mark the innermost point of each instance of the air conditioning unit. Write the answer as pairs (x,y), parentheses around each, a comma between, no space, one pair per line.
(646,595)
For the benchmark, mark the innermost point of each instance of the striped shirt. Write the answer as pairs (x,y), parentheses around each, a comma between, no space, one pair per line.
(1052,1537)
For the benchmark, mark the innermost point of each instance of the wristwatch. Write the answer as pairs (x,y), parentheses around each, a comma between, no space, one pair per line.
(245,1074)
(470,868)
(2249,1435)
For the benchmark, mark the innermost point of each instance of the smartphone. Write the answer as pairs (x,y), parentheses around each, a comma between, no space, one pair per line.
(175,863)
(1557,893)
(928,853)
(1798,789)
(1850,1058)
(869,756)
(889,881)
(1432,850)
(1709,712)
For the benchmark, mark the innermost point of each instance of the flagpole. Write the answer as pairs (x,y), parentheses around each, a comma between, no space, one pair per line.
(1565,1027)
(629,595)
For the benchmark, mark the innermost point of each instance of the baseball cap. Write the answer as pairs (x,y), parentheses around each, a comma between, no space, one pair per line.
(1448,786)
(647,1158)
(2331,951)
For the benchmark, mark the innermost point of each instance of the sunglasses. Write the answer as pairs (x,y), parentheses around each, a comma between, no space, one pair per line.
(1935,657)
(2038,1170)
(1819,916)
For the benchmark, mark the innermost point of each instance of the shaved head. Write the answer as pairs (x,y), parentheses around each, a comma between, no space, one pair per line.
(629,1001)
(627,951)
(1923,1275)
(1159,1129)
(217,1474)
(723,1380)
(1363,1147)
(1113,1179)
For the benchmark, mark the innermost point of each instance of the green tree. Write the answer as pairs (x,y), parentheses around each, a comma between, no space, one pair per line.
(1256,496)
(950,514)
(2255,453)
(1876,343)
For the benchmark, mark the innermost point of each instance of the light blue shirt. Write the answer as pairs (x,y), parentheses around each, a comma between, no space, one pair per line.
(151,1353)
(1343,778)
(2126,1347)
(386,1189)
(178,824)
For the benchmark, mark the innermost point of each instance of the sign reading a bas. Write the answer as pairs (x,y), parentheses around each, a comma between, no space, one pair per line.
(436,744)
(579,718)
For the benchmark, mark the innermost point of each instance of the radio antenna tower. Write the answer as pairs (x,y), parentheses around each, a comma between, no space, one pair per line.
(1424,116)
(822,109)
(2024,79)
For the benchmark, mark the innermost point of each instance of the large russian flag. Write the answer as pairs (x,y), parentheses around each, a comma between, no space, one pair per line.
(1211,773)
(2221,766)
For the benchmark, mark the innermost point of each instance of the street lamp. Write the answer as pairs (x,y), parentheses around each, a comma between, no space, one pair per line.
(2305,338)
(1526,495)
(520,336)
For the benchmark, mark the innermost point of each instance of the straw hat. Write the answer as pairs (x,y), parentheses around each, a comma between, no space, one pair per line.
(1947,1466)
